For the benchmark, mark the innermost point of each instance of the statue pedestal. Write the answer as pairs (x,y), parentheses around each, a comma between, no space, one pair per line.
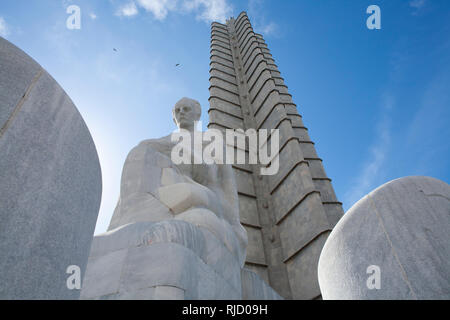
(163,260)
(166,260)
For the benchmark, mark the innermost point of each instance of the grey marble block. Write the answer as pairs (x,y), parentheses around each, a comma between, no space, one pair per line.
(140,260)
(50,182)
(402,227)
(170,259)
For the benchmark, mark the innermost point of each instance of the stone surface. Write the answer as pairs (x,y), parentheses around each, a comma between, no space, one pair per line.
(50,182)
(304,265)
(167,260)
(138,256)
(254,288)
(403,227)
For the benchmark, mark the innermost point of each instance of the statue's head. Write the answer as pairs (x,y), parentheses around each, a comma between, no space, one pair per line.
(185,112)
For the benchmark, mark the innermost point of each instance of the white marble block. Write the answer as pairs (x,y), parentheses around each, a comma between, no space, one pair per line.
(392,244)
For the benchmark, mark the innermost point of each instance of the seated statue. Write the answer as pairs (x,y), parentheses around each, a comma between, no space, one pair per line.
(153,188)
(175,233)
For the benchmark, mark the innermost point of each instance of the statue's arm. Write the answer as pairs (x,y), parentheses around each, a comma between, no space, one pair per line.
(169,185)
(142,170)
(141,175)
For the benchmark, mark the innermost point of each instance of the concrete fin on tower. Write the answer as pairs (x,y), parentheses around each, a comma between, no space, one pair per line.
(288,215)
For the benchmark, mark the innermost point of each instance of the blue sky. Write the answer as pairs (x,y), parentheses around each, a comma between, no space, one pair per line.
(376,102)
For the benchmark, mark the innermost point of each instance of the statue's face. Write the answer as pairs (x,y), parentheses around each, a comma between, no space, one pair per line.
(185,113)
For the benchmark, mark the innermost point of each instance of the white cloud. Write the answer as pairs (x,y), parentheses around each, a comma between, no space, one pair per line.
(159,8)
(429,129)
(417,3)
(257,15)
(128,10)
(206,10)
(371,175)
(4,30)
(269,29)
(210,10)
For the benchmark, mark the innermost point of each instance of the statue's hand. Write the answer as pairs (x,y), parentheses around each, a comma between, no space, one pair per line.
(179,197)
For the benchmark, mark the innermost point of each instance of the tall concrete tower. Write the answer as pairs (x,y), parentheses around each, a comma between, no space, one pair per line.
(289,215)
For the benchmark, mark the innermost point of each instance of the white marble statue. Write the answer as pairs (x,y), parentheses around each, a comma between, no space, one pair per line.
(153,188)
(175,233)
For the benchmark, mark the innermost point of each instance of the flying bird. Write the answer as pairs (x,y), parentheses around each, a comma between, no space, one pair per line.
(115,49)
(177,65)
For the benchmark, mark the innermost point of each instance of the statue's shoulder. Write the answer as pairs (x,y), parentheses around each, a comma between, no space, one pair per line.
(163,145)
(157,149)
